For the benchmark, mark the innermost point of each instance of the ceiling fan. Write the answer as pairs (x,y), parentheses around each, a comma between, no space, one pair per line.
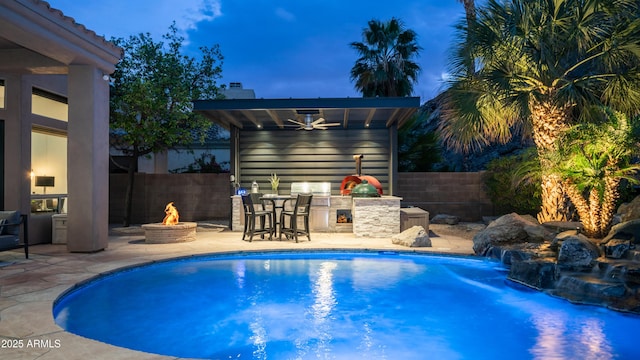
(310,124)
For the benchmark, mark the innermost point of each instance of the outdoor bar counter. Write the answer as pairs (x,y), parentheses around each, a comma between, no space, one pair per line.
(363,216)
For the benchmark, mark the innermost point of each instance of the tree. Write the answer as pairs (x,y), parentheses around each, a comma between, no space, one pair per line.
(592,159)
(540,63)
(418,148)
(151,98)
(513,184)
(470,13)
(385,66)
(469,10)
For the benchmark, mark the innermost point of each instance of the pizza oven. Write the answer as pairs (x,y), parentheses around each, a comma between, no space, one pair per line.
(351,181)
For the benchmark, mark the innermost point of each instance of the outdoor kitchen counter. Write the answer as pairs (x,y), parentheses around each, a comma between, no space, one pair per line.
(373,217)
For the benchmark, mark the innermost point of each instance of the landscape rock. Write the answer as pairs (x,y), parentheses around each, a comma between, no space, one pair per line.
(509,229)
(616,248)
(570,265)
(560,226)
(577,253)
(629,211)
(539,274)
(588,289)
(415,236)
(629,230)
(445,219)
(518,252)
(557,241)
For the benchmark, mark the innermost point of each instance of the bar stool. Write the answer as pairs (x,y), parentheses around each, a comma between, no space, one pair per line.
(254,208)
(300,209)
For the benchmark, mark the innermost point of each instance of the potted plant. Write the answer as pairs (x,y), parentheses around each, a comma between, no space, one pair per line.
(275,181)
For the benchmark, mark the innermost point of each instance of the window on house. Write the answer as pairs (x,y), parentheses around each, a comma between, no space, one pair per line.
(48,162)
(47,104)
(1,94)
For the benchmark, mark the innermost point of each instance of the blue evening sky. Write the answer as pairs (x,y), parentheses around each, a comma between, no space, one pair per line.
(281,48)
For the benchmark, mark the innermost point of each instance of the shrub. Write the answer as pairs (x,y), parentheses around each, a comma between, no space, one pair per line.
(511,187)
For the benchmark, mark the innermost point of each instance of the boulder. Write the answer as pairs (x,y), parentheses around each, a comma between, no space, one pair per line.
(518,252)
(629,230)
(616,248)
(509,229)
(557,241)
(629,211)
(577,252)
(632,274)
(445,219)
(415,236)
(539,274)
(621,240)
(570,265)
(560,226)
(587,289)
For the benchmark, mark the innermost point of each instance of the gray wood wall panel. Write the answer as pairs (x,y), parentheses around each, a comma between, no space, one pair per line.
(314,156)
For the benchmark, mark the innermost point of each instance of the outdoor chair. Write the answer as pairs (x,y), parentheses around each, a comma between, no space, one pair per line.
(10,222)
(255,209)
(300,210)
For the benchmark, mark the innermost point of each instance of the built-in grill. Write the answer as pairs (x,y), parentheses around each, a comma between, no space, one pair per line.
(351,181)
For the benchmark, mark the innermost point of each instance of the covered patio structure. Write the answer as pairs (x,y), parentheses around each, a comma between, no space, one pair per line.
(265,140)
(318,144)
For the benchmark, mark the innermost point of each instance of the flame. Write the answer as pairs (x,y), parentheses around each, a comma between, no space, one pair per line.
(172,215)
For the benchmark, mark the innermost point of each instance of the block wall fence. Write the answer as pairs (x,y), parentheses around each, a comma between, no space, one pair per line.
(197,197)
(461,194)
(207,196)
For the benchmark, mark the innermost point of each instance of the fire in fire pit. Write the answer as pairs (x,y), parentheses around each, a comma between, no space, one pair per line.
(175,232)
(172,216)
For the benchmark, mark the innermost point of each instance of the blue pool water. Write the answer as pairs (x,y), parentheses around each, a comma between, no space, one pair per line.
(319,305)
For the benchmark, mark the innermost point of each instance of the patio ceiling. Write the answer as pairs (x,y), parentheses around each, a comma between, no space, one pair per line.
(351,113)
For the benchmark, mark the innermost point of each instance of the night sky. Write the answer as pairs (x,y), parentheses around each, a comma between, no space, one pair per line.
(285,48)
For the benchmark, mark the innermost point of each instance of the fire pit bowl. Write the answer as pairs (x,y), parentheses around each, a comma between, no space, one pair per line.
(166,234)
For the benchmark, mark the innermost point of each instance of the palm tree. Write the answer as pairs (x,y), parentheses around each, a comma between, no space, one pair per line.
(386,66)
(593,158)
(539,64)
(470,12)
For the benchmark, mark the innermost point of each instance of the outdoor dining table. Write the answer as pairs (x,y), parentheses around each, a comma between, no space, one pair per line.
(277,203)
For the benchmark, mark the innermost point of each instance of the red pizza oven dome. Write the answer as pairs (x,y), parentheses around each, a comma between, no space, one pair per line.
(349,182)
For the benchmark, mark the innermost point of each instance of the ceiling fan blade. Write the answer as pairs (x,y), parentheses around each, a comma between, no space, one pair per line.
(317,121)
(296,122)
(330,124)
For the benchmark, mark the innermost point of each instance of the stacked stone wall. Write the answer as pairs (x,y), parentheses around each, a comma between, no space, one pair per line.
(376,217)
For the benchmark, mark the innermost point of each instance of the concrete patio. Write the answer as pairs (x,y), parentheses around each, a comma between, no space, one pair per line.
(28,288)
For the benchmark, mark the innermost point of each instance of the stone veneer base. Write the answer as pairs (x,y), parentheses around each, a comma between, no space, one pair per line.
(166,234)
(377,216)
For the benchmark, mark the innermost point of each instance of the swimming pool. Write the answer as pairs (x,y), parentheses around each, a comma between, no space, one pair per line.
(338,305)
